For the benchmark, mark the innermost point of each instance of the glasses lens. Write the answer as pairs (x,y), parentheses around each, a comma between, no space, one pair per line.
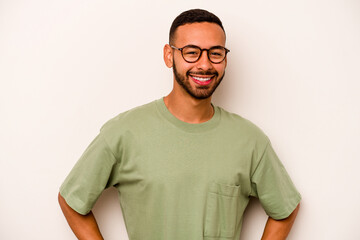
(191,54)
(217,55)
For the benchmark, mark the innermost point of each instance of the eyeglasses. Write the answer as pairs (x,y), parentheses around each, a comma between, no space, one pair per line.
(192,53)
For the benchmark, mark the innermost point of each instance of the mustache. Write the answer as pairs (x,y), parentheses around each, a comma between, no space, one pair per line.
(202,73)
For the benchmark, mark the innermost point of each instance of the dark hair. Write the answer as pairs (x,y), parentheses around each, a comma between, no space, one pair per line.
(193,16)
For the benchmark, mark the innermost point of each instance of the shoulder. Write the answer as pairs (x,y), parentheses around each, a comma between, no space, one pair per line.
(125,127)
(131,117)
(130,122)
(242,126)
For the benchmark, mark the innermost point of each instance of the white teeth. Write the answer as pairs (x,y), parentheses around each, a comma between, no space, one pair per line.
(202,79)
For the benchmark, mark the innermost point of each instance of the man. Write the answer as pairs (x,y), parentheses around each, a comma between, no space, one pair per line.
(184,168)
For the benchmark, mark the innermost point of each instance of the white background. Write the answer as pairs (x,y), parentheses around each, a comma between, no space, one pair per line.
(66,67)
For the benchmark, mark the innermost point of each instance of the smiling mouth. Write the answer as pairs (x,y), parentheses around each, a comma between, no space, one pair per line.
(202,80)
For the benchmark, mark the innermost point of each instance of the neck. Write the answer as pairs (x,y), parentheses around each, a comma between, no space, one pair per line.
(188,109)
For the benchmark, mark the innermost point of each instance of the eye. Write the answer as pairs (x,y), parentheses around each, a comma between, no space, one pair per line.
(191,51)
(216,54)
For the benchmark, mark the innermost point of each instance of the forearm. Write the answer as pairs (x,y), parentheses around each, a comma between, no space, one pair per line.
(279,229)
(83,226)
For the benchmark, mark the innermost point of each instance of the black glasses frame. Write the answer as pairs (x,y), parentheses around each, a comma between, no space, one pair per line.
(201,51)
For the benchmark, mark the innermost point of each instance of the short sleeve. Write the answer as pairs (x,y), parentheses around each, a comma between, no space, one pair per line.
(272,185)
(95,170)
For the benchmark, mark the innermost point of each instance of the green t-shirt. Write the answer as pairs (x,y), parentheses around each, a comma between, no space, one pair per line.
(178,180)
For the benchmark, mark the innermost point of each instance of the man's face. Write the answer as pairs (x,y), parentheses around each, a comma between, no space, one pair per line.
(199,79)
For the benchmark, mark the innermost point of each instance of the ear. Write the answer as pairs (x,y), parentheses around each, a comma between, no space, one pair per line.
(168,56)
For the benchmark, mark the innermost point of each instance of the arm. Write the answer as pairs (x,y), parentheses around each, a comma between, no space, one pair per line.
(279,229)
(84,226)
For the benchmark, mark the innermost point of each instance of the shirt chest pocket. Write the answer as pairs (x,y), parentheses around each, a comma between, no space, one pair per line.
(221,210)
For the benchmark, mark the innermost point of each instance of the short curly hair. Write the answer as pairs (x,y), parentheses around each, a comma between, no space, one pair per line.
(193,16)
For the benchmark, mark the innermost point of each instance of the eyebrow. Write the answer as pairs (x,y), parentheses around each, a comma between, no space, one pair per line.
(192,45)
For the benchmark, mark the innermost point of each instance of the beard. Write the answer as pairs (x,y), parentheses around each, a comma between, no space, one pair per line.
(198,92)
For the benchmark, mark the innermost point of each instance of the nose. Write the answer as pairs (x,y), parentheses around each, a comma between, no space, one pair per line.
(204,63)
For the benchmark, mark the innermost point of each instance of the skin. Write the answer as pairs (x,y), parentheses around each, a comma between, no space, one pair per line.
(83,226)
(279,229)
(189,102)
(179,102)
